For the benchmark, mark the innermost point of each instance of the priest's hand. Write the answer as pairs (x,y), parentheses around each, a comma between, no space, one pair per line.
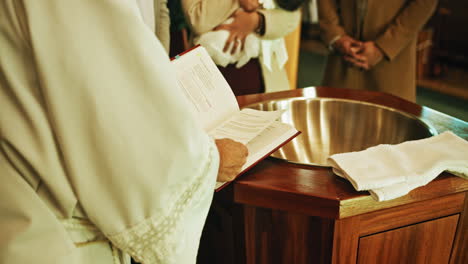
(232,156)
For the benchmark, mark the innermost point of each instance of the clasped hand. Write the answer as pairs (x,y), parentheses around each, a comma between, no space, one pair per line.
(363,55)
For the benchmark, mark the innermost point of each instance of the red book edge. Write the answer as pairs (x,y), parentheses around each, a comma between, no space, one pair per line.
(186,51)
(255,163)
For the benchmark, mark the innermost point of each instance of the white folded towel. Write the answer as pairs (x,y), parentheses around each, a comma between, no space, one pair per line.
(391,171)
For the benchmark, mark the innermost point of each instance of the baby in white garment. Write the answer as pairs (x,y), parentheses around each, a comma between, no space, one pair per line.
(214,42)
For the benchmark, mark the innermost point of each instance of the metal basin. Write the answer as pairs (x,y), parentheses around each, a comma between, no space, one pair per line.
(331,126)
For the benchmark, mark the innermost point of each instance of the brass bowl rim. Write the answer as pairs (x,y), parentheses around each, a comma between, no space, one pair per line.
(429,127)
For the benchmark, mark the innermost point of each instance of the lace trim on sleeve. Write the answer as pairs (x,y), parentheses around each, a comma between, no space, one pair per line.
(155,240)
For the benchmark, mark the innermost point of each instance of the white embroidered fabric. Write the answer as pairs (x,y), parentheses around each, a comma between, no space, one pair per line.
(161,238)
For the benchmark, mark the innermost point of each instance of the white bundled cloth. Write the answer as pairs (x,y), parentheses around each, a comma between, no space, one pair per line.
(254,47)
(391,171)
(214,41)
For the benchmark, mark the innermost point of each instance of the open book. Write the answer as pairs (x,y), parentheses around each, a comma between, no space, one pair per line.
(215,105)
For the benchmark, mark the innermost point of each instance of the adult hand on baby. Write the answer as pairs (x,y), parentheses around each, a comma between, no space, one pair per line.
(232,155)
(243,24)
(249,5)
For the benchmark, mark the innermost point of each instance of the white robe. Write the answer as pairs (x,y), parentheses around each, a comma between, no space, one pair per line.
(99,157)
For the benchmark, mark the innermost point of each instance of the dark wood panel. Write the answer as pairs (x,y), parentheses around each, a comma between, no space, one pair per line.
(345,240)
(278,237)
(428,242)
(460,248)
(411,213)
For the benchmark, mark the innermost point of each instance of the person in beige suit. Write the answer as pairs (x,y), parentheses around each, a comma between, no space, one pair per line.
(373,43)
(94,168)
(206,15)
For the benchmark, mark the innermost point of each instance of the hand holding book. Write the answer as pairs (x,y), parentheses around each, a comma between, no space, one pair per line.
(232,156)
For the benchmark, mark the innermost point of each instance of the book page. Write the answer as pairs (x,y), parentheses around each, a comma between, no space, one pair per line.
(273,135)
(203,84)
(245,125)
(276,134)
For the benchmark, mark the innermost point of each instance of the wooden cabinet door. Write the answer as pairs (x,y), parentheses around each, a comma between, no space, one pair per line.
(426,242)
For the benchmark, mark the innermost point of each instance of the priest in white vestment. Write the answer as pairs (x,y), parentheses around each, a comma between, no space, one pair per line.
(100,159)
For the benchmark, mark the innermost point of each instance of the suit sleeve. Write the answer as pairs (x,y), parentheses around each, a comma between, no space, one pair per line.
(142,168)
(405,26)
(329,20)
